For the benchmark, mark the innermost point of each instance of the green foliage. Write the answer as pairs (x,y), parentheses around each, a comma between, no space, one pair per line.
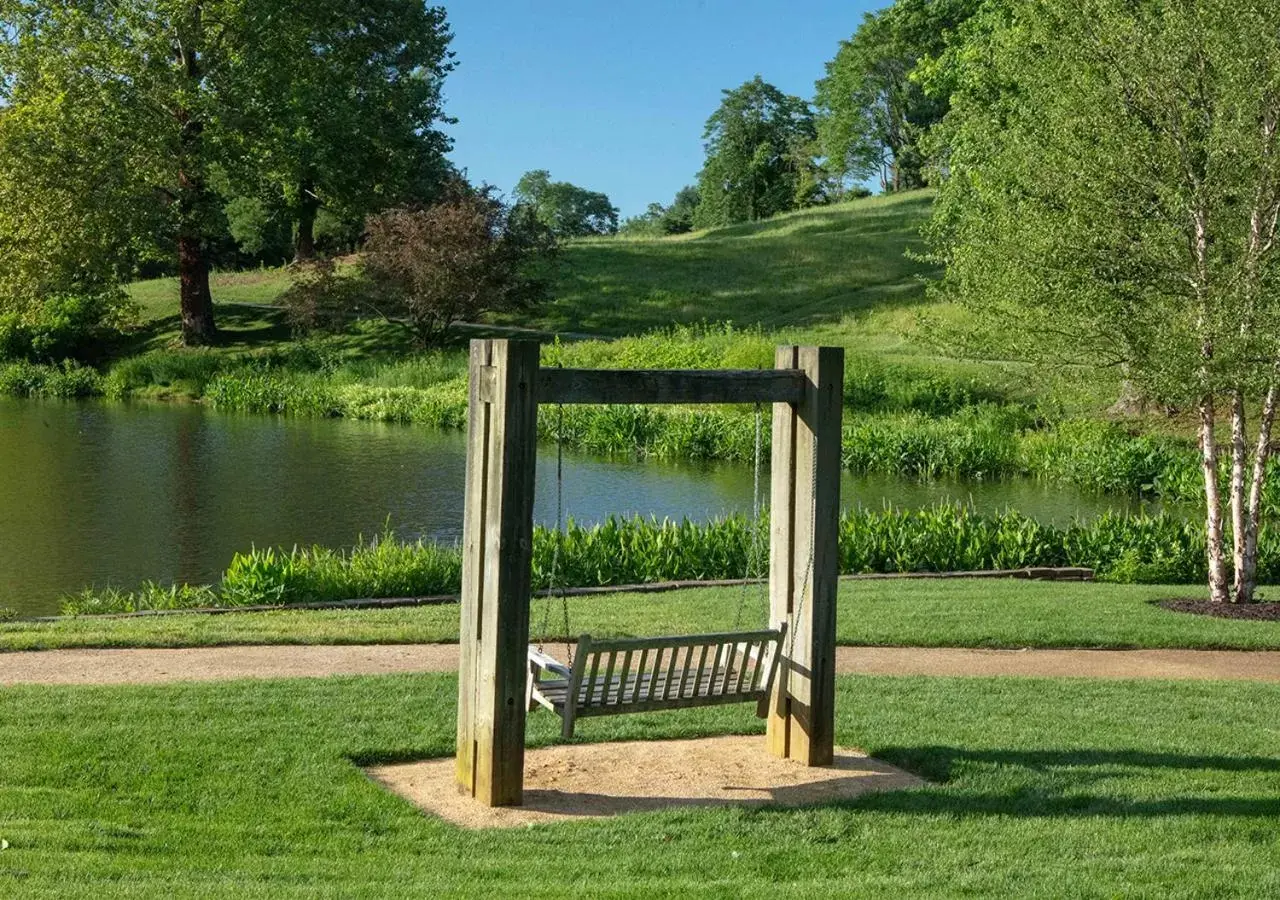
(1047,182)
(872,111)
(978,442)
(149,597)
(566,209)
(255,227)
(65,382)
(945,538)
(143,131)
(347,108)
(61,326)
(758,158)
(659,220)
(181,372)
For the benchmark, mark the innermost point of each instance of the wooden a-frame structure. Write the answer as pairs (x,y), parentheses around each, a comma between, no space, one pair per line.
(506,387)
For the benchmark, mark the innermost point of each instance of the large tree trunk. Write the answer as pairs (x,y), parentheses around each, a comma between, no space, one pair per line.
(304,249)
(196,300)
(1247,569)
(1218,587)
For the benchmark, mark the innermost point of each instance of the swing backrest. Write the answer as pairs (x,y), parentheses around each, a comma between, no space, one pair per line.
(638,674)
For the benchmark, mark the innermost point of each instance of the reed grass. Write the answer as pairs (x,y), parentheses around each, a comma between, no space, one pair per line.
(945,538)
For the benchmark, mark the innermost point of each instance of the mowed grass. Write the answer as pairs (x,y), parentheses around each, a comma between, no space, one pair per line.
(252,789)
(908,613)
(841,272)
(158,297)
(819,267)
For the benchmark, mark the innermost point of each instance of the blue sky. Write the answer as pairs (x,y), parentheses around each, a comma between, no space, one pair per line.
(613,94)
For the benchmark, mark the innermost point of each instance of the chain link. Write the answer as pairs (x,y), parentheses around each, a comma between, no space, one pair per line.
(554,587)
(813,545)
(753,547)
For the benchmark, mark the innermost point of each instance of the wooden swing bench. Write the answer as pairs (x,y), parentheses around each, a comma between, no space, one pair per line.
(626,675)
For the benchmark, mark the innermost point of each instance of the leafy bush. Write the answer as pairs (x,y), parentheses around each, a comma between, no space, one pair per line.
(186,370)
(66,382)
(62,326)
(467,255)
(150,596)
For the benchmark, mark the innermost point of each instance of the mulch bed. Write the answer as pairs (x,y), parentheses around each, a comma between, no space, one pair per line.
(1257,612)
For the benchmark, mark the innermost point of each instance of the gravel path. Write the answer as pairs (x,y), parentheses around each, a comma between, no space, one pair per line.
(145,666)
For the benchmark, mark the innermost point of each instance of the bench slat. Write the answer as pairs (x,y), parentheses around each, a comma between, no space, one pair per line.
(668,673)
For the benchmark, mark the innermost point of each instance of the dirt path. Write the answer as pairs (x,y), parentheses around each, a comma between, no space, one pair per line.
(216,663)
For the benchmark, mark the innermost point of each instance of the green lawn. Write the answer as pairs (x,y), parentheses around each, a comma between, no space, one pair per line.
(251,789)
(924,613)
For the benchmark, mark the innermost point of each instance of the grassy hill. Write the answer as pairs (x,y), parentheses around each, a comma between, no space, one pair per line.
(839,273)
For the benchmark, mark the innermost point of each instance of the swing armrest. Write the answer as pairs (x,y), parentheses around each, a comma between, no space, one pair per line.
(540,660)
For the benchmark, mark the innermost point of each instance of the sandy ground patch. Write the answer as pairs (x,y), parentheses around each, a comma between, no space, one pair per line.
(590,781)
(145,666)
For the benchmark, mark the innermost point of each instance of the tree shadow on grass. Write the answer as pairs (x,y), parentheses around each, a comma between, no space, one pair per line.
(1065,783)
(240,326)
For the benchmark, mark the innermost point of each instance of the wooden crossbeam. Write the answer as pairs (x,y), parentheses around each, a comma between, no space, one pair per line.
(603,386)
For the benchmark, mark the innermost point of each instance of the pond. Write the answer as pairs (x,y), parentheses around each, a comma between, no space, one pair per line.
(114,494)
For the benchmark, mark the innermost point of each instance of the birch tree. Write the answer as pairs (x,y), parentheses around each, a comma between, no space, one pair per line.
(1112,200)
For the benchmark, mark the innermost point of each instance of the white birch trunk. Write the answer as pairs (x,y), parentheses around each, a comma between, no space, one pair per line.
(1239,462)
(1247,574)
(1218,587)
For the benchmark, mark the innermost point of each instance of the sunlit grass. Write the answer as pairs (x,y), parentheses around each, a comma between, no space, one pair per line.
(252,789)
(943,613)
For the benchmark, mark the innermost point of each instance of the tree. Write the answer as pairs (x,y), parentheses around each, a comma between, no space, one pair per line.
(872,112)
(179,106)
(660,220)
(758,146)
(125,88)
(450,262)
(343,106)
(65,216)
(1113,200)
(568,210)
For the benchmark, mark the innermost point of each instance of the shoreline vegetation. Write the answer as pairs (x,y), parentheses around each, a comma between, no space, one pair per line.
(903,419)
(1120,549)
(849,274)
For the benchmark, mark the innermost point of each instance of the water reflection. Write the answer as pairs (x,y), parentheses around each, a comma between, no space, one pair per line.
(97,494)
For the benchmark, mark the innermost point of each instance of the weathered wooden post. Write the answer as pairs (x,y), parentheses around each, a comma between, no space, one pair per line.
(497,545)
(804,556)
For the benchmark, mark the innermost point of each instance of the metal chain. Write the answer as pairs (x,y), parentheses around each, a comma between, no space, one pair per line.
(753,548)
(813,545)
(554,587)
(560,532)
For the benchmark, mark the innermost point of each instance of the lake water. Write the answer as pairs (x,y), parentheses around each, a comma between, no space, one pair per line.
(114,494)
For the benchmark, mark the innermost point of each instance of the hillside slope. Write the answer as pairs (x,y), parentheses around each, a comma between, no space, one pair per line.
(810,268)
(823,271)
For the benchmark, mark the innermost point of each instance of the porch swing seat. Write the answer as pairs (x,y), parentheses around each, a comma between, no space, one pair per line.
(626,675)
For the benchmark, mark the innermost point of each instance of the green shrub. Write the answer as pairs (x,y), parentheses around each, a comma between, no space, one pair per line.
(62,326)
(150,596)
(380,568)
(67,382)
(187,370)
